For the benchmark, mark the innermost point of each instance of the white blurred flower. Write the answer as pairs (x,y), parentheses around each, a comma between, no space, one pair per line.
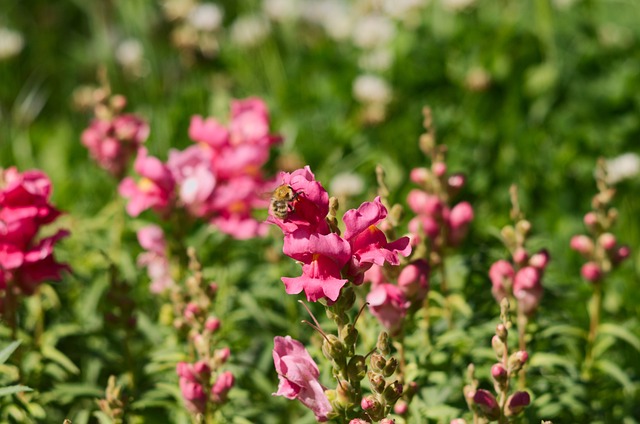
(457,5)
(346,184)
(205,17)
(373,31)
(281,10)
(129,53)
(177,9)
(11,43)
(371,89)
(376,60)
(622,167)
(249,30)
(400,9)
(563,4)
(333,15)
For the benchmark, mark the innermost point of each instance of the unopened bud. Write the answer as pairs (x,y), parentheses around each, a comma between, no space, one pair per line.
(517,360)
(501,331)
(383,344)
(621,254)
(582,244)
(439,169)
(517,402)
(520,256)
(220,356)
(498,346)
(591,272)
(393,392)
(377,382)
(590,220)
(420,175)
(487,404)
(390,368)
(607,241)
(357,368)
(540,259)
(349,334)
(456,181)
(401,408)
(377,362)
(508,234)
(212,324)
(344,394)
(333,348)
(523,227)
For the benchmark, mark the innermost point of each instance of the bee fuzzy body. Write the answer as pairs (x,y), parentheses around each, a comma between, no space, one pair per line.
(281,201)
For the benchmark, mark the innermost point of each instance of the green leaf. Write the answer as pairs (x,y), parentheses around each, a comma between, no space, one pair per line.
(617,373)
(620,333)
(7,351)
(58,357)
(548,360)
(563,330)
(4,391)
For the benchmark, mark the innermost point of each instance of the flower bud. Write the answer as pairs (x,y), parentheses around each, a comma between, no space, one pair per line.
(487,404)
(377,382)
(517,402)
(333,348)
(392,392)
(458,421)
(401,408)
(582,244)
(419,175)
(191,310)
(377,362)
(390,368)
(591,272)
(501,275)
(523,227)
(540,260)
(357,368)
(220,356)
(383,344)
(607,241)
(344,394)
(621,254)
(520,256)
(517,361)
(368,402)
(508,234)
(590,220)
(212,324)
(439,169)
(221,387)
(456,181)
(499,374)
(502,332)
(359,421)
(387,421)
(498,346)
(414,280)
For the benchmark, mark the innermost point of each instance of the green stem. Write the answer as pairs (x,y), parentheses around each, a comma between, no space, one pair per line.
(445,295)
(594,315)
(522,344)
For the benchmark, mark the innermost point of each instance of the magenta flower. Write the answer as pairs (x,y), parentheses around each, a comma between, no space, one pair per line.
(414,280)
(369,244)
(527,289)
(311,207)
(389,305)
(155,188)
(250,123)
(298,375)
(24,208)
(487,404)
(112,142)
(501,274)
(323,256)
(460,217)
(221,387)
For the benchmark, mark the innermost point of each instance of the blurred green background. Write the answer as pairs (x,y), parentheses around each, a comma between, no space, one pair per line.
(524,92)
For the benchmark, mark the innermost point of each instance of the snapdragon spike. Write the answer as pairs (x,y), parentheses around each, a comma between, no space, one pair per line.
(155,259)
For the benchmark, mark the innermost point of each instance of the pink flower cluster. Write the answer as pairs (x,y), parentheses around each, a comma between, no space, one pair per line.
(113,139)
(602,250)
(522,281)
(328,260)
(298,374)
(219,179)
(196,388)
(389,302)
(443,225)
(25,207)
(155,259)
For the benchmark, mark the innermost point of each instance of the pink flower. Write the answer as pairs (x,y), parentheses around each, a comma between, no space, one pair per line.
(517,402)
(111,143)
(459,218)
(221,387)
(487,404)
(501,275)
(155,259)
(208,131)
(250,122)
(311,206)
(323,256)
(298,375)
(369,244)
(582,244)
(191,170)
(389,305)
(414,280)
(153,190)
(591,272)
(527,289)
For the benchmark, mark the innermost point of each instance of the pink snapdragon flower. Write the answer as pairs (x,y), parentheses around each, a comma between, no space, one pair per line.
(191,169)
(368,243)
(501,275)
(24,208)
(413,280)
(154,190)
(311,206)
(323,256)
(298,374)
(389,304)
(111,142)
(155,259)
(221,387)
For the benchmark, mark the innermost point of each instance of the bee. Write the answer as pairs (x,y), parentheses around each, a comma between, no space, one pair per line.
(281,201)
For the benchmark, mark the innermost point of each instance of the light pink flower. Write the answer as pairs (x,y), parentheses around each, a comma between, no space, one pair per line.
(221,387)
(323,256)
(298,375)
(155,188)
(208,131)
(459,218)
(414,280)
(151,238)
(527,289)
(501,275)
(389,305)
(192,171)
